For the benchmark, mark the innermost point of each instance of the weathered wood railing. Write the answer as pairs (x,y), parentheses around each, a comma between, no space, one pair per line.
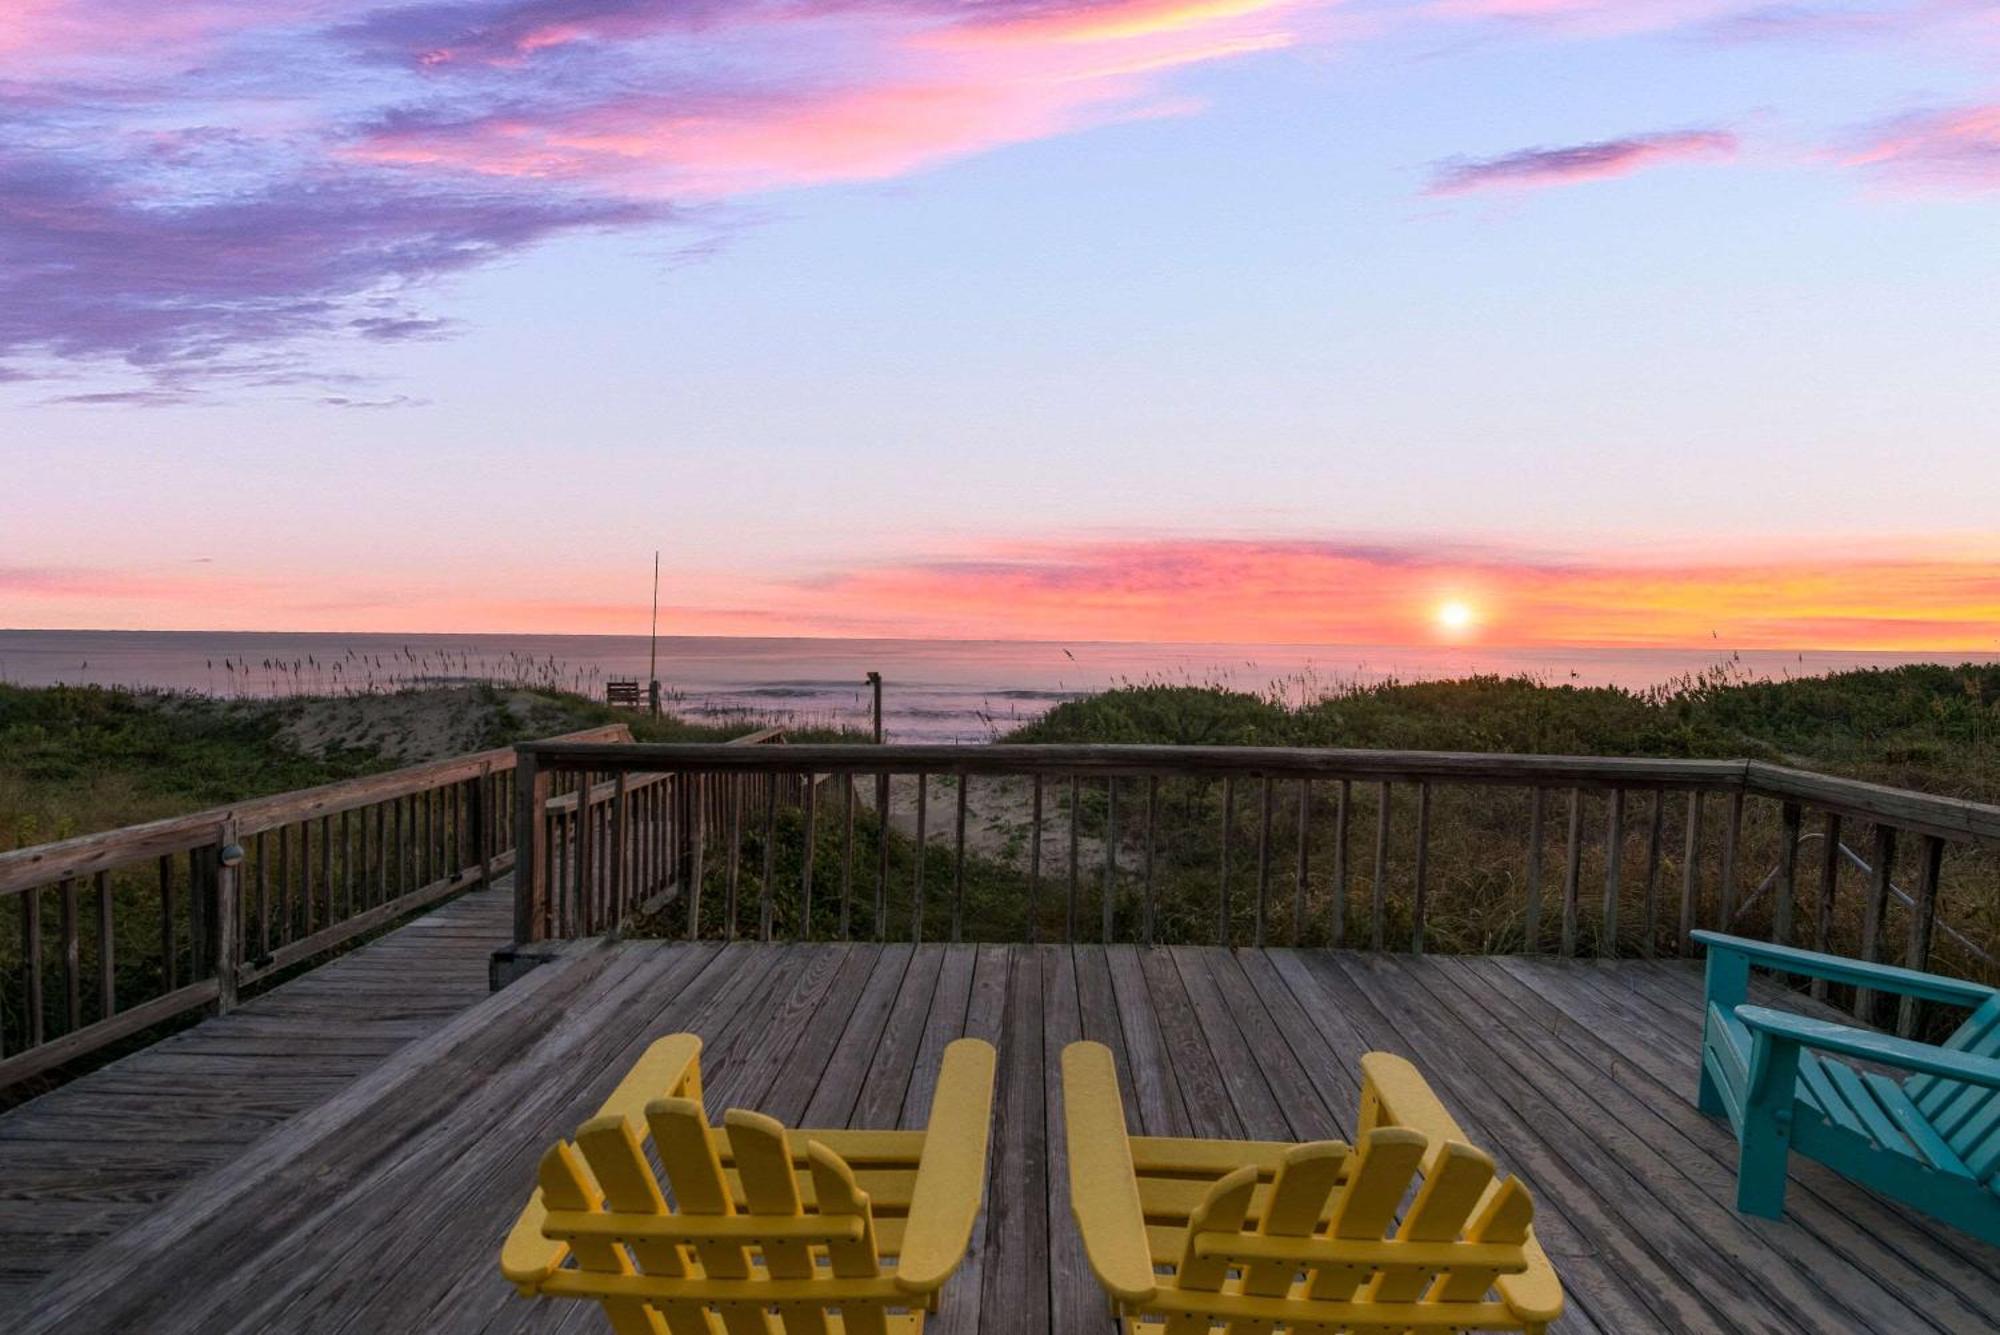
(124,929)
(609,848)
(1596,855)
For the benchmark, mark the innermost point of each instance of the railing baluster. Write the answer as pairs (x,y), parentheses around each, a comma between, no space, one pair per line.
(1304,851)
(1691,872)
(698,788)
(1148,909)
(765,907)
(810,818)
(1656,836)
(1923,921)
(1035,863)
(168,963)
(72,959)
(1874,914)
(1379,909)
(1829,883)
(377,860)
(1342,814)
(847,859)
(31,956)
(622,869)
(958,862)
(326,865)
(1075,838)
(733,864)
(1110,858)
(1420,896)
(1572,872)
(305,878)
(347,824)
(1263,860)
(263,850)
(917,880)
(1614,871)
(107,960)
(586,871)
(1732,838)
(1222,933)
(1531,929)
(883,794)
(1788,875)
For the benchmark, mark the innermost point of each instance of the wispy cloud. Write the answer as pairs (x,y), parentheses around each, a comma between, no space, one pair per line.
(1534,168)
(1945,149)
(425,137)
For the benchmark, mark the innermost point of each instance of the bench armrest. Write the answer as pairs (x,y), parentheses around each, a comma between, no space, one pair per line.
(1103,1188)
(1858,973)
(1767,1025)
(951,1173)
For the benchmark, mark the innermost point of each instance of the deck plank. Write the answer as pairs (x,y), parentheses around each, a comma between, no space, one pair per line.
(190,1099)
(380,1205)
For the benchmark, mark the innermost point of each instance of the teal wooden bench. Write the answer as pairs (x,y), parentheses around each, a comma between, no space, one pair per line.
(1786,1082)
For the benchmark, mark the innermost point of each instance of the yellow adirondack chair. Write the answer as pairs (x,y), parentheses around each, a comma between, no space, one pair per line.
(1190,1235)
(769,1230)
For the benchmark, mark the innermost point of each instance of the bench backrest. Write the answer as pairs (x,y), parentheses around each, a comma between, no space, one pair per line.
(1967,1116)
(709,1257)
(1359,1266)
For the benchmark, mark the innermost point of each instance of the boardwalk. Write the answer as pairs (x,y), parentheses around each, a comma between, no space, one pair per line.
(101,1152)
(380,1209)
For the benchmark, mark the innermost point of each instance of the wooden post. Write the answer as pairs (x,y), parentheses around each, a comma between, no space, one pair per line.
(1691,872)
(1421,893)
(1379,909)
(1152,829)
(621,850)
(875,691)
(226,948)
(1572,871)
(531,886)
(72,959)
(1732,837)
(1537,811)
(1299,878)
(1228,833)
(1923,922)
(1263,861)
(1788,875)
(1656,836)
(1110,857)
(482,824)
(1342,815)
(1614,870)
(1829,882)
(1874,913)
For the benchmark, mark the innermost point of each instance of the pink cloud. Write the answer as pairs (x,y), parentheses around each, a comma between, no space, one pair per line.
(1955,148)
(1533,168)
(910,95)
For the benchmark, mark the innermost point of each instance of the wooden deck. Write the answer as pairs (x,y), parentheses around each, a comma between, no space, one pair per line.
(380,1208)
(82,1162)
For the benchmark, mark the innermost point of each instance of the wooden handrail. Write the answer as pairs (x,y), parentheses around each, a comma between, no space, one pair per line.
(1109,760)
(44,864)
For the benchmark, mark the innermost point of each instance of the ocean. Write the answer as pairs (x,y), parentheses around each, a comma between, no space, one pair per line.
(933,691)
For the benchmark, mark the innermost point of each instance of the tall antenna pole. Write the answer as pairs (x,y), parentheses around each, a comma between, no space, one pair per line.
(653,655)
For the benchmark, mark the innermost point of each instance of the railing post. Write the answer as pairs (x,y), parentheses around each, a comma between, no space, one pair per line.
(1788,874)
(531,886)
(1923,921)
(1874,914)
(482,823)
(226,947)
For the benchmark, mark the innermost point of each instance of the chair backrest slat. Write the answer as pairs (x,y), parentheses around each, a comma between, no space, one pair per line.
(1389,1159)
(764,1163)
(840,1196)
(1457,1180)
(567,1185)
(1224,1210)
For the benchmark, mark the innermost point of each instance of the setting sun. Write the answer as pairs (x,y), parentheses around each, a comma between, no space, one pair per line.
(1454,616)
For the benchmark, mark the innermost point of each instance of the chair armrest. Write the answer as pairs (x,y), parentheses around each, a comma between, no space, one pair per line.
(1103,1188)
(1395,1093)
(1767,1025)
(1839,969)
(669,1068)
(951,1173)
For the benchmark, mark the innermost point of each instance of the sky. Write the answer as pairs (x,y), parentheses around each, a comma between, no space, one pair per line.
(1520,322)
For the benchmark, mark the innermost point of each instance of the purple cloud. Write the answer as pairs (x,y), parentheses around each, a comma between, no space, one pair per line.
(1532,168)
(87,271)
